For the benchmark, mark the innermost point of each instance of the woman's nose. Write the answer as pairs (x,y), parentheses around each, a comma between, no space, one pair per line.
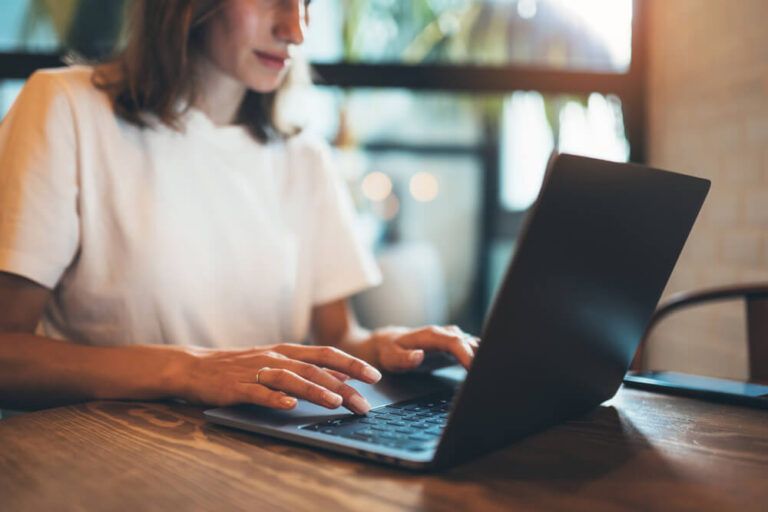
(291,22)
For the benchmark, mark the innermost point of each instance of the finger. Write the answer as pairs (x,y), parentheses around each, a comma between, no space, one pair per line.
(353,400)
(281,379)
(395,358)
(453,329)
(435,338)
(333,358)
(472,341)
(343,377)
(281,361)
(256,353)
(261,395)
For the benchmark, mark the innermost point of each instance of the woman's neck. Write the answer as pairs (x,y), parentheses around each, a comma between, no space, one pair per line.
(218,95)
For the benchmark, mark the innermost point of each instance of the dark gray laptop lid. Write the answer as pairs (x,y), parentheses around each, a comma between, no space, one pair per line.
(593,259)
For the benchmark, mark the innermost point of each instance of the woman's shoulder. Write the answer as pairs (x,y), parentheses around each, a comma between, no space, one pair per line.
(71,74)
(309,148)
(313,160)
(73,82)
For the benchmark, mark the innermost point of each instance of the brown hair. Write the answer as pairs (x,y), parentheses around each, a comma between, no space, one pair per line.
(155,71)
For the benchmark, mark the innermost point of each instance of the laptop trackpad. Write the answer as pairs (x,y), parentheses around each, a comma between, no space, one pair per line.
(391,389)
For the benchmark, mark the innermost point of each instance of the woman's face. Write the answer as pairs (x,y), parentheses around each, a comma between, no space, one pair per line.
(252,40)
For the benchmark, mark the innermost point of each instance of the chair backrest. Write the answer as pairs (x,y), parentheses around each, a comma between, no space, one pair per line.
(756,299)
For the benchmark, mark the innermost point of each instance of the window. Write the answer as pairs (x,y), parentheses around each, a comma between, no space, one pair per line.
(89,27)
(590,35)
(9,89)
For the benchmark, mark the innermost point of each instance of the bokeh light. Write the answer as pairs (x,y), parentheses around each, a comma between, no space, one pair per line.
(390,208)
(376,186)
(424,187)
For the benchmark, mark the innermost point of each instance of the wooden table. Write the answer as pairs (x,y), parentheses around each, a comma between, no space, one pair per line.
(641,451)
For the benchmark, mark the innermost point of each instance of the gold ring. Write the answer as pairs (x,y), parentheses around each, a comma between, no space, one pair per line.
(258,374)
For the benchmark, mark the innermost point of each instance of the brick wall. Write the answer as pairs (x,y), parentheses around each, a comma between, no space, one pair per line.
(708,116)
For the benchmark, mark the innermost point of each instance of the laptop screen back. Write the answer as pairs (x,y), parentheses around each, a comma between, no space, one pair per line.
(592,261)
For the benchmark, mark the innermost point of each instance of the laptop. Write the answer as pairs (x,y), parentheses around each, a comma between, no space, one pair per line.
(593,258)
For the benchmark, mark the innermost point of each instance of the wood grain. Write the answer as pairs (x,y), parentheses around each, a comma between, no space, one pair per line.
(640,451)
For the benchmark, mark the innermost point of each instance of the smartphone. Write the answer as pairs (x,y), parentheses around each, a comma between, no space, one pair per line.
(697,386)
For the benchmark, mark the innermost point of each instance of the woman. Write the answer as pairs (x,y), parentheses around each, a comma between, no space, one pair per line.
(161,237)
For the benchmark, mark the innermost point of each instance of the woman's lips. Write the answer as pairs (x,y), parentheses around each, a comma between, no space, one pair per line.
(272,61)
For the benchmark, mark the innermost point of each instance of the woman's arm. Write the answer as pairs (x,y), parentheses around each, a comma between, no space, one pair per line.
(37,372)
(391,348)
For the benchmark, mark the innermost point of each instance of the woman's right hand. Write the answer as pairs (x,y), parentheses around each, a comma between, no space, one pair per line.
(275,376)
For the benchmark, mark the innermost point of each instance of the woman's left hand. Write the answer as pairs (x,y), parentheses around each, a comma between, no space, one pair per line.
(399,349)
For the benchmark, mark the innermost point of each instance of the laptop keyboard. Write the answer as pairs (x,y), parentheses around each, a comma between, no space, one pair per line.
(414,425)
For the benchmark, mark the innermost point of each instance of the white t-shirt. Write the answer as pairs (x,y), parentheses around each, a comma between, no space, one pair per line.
(202,237)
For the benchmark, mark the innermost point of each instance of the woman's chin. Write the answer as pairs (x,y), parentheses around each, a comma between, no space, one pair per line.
(266,85)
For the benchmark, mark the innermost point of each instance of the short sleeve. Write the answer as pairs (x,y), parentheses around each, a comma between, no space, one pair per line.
(38,183)
(343,265)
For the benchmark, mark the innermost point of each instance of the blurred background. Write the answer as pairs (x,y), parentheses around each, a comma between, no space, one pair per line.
(443,114)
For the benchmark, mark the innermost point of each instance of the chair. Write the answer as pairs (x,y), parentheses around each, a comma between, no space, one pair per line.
(756,299)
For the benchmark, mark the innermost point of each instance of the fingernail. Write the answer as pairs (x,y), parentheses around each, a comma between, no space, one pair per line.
(359,404)
(417,356)
(288,401)
(332,398)
(372,374)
